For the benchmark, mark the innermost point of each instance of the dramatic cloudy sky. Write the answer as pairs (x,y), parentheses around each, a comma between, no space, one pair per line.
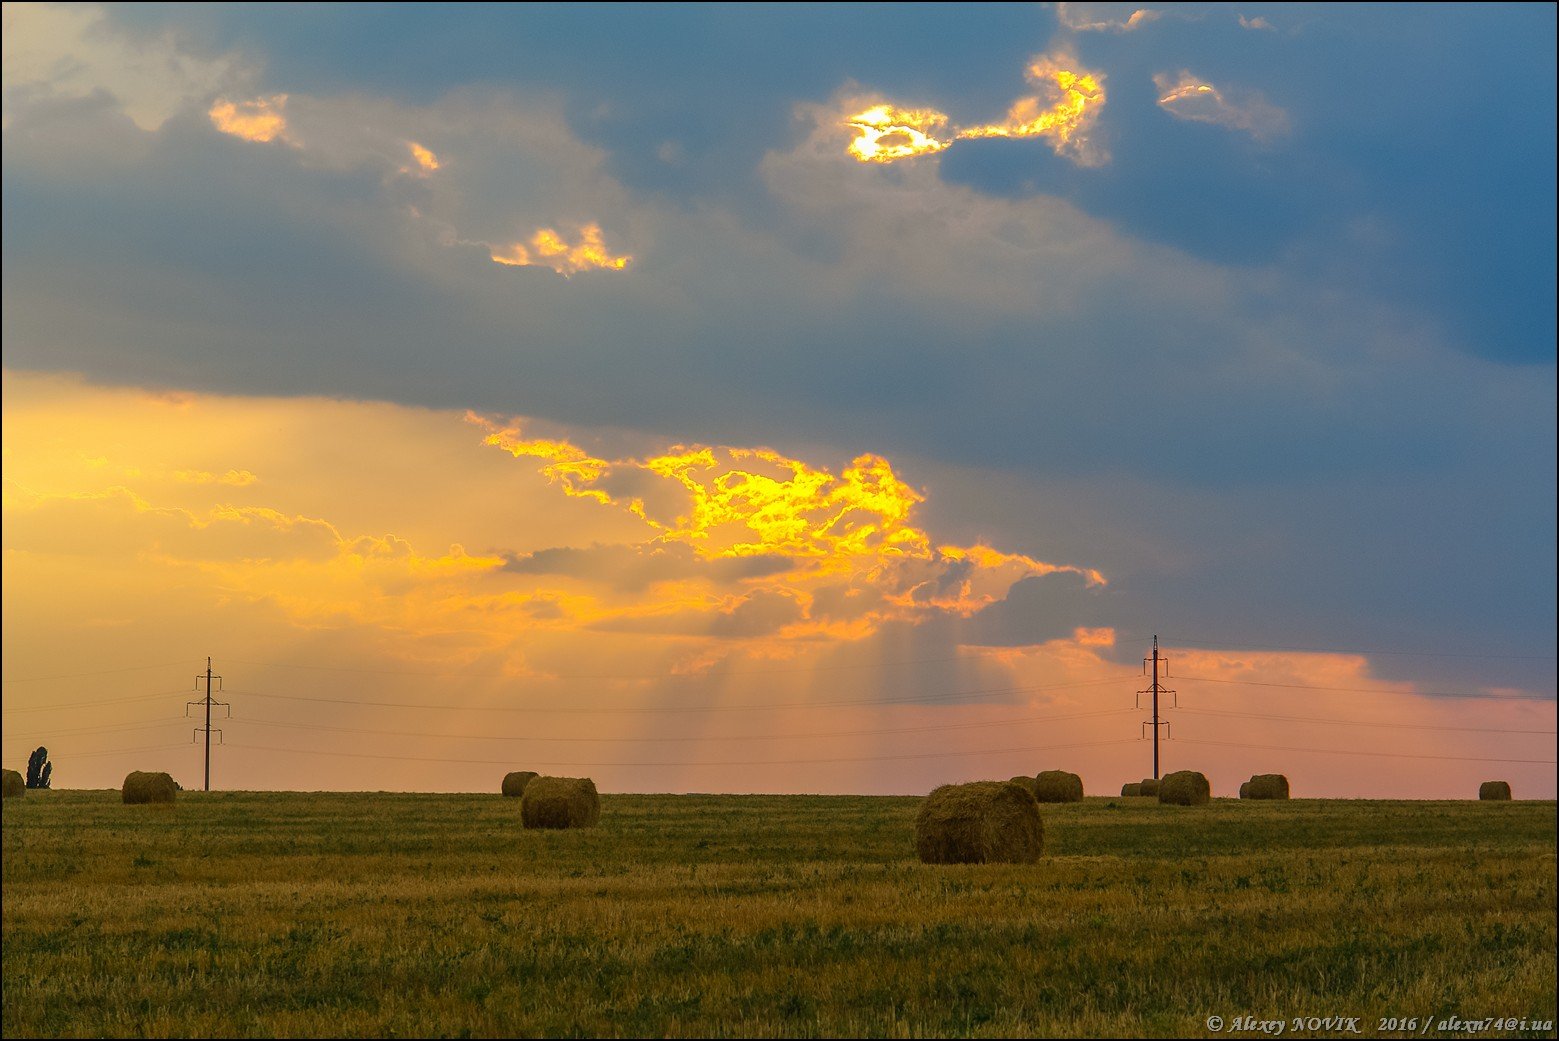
(827,399)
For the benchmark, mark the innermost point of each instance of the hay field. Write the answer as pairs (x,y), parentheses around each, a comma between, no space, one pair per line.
(439,915)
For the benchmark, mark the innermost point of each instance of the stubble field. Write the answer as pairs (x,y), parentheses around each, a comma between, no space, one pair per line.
(382,914)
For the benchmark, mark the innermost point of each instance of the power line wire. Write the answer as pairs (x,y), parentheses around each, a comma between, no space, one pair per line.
(699,738)
(1362,722)
(99,672)
(1193,643)
(131,725)
(93,704)
(1371,690)
(702,763)
(972,655)
(1388,755)
(124,751)
(662,710)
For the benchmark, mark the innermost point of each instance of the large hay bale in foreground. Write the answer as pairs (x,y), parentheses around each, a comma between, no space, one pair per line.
(1185,788)
(984,822)
(560,802)
(1265,786)
(1496,790)
(1132,788)
(1058,786)
(143,786)
(12,784)
(514,783)
(1150,786)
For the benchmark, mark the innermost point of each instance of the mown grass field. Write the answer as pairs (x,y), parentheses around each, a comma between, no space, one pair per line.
(309,914)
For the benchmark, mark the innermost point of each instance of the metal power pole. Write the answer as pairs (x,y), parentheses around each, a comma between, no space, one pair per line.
(1156,690)
(208,703)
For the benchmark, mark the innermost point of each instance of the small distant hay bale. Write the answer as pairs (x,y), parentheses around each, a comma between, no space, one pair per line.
(143,786)
(560,802)
(1150,786)
(1494,790)
(983,822)
(1132,788)
(1027,783)
(1058,786)
(12,784)
(1265,786)
(514,783)
(1184,788)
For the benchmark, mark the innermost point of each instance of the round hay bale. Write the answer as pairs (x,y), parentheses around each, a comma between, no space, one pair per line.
(12,784)
(514,783)
(141,786)
(1184,788)
(560,802)
(1150,786)
(1265,786)
(1058,786)
(984,822)
(1495,790)
(1027,783)
(1132,788)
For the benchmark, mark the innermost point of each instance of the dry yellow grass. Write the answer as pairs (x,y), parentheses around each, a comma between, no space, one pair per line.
(295,914)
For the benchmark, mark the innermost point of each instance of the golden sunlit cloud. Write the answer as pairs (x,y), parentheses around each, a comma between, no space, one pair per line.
(1104,17)
(1187,97)
(1063,111)
(548,248)
(841,550)
(257,120)
(426,160)
(885,133)
(1256,23)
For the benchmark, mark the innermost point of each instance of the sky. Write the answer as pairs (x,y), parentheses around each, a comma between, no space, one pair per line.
(793,398)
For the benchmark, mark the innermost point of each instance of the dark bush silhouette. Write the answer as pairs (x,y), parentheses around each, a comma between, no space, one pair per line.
(39,769)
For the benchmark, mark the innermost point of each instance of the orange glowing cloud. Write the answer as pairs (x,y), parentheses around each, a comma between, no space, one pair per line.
(426,160)
(1063,112)
(259,120)
(841,550)
(884,133)
(1187,97)
(548,248)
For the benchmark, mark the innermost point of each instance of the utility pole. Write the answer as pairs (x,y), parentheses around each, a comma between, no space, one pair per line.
(1156,690)
(208,703)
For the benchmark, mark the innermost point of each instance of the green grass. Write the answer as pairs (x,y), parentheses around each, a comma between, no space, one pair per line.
(308,914)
